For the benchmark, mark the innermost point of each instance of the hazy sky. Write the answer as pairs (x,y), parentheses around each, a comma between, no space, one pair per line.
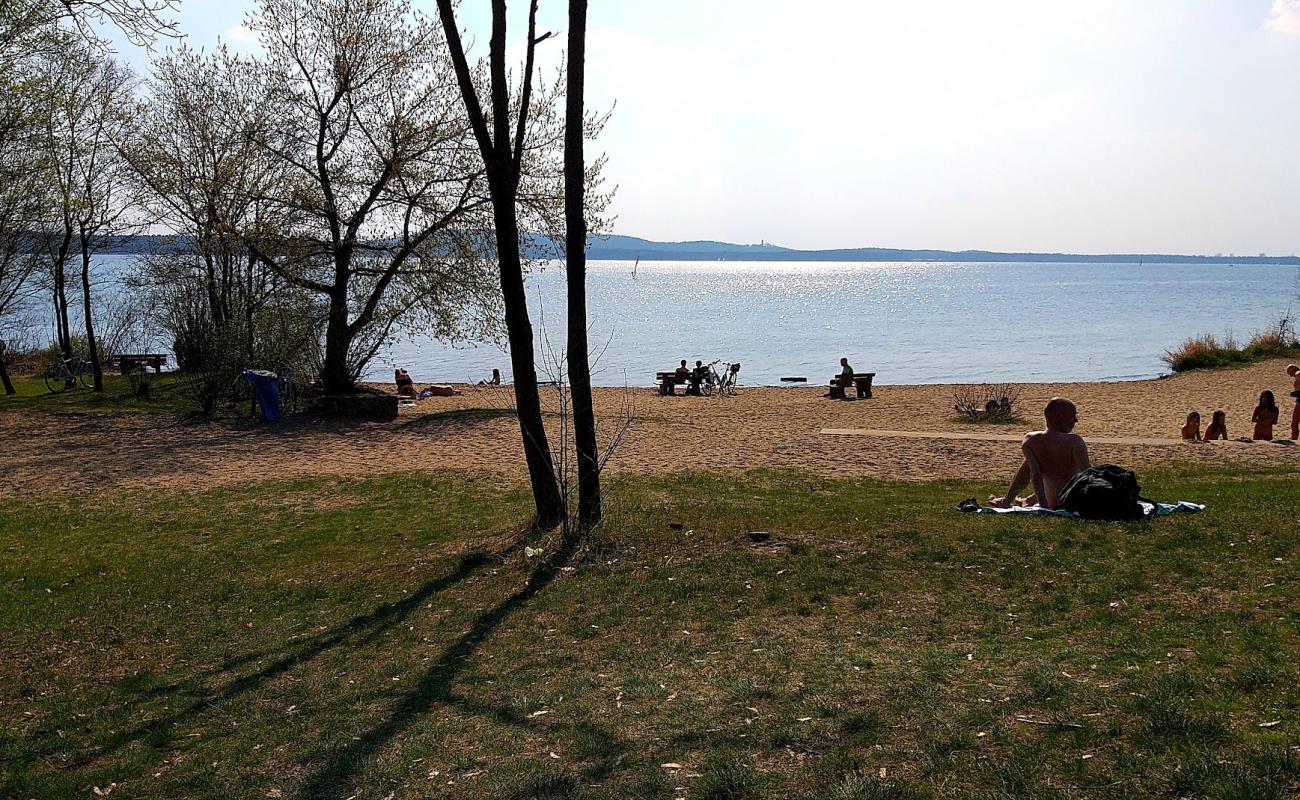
(1045,125)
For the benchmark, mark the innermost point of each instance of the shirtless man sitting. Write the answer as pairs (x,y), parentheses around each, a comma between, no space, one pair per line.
(1052,458)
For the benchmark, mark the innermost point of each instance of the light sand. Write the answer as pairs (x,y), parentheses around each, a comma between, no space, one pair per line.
(46,453)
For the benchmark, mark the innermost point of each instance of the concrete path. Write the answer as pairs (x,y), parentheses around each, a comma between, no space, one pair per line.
(1007,437)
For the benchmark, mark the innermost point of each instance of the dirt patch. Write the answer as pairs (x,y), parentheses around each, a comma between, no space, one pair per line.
(48,453)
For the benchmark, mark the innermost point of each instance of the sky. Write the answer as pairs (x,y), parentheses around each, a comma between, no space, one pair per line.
(1087,126)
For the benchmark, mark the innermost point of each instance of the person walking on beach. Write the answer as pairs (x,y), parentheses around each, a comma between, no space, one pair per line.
(1294,372)
(1265,417)
(1052,457)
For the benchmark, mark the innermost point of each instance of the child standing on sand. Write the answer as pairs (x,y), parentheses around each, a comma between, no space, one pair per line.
(1294,372)
(1265,417)
(1192,427)
(1218,427)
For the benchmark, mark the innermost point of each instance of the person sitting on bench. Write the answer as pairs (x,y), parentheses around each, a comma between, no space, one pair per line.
(697,377)
(846,375)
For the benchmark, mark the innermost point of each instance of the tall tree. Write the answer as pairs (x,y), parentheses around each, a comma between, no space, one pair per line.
(575,249)
(379,209)
(88,121)
(503,161)
(18,265)
(20,194)
(203,177)
(24,93)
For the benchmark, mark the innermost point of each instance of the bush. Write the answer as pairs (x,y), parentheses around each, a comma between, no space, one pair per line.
(1207,352)
(214,362)
(987,402)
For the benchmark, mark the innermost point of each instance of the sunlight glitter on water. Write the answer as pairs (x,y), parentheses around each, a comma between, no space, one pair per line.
(911,322)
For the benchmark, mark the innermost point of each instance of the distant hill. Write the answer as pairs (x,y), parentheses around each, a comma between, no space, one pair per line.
(629,248)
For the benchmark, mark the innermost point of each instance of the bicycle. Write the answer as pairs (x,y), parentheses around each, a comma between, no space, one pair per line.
(64,374)
(720,381)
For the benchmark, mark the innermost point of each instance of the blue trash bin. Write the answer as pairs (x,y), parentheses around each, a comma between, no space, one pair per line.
(266,388)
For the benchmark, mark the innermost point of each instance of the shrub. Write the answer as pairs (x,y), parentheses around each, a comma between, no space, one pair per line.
(1205,352)
(987,402)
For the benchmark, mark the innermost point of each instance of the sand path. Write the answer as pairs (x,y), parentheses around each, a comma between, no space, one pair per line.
(894,435)
(1013,437)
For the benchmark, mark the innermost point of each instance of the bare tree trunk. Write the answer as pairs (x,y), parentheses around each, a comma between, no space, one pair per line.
(91,344)
(502,166)
(63,329)
(218,310)
(4,372)
(248,309)
(575,252)
(334,371)
(519,329)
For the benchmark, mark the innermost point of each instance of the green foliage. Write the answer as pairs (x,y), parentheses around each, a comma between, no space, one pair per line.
(167,395)
(1207,351)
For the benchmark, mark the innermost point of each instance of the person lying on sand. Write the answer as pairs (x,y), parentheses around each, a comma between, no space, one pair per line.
(1052,458)
(1191,431)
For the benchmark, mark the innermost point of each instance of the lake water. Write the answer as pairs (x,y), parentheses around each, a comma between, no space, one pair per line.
(908,322)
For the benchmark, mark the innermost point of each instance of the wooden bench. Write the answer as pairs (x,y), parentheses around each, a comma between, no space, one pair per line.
(130,362)
(668,382)
(861,381)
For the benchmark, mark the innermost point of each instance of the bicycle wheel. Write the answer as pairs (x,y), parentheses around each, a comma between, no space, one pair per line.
(56,378)
(85,374)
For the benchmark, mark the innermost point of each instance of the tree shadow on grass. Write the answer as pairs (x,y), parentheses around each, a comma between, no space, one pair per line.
(335,778)
(356,632)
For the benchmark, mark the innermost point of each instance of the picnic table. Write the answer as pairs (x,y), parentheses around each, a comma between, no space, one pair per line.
(861,381)
(132,362)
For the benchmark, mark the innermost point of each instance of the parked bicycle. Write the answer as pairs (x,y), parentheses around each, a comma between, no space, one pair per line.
(720,379)
(66,373)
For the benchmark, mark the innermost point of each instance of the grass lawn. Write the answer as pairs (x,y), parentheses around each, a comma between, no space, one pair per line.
(393,638)
(167,394)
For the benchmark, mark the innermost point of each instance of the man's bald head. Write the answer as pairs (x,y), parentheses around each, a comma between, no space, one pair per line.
(1061,414)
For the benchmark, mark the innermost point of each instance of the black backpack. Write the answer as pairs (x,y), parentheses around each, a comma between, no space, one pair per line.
(1103,492)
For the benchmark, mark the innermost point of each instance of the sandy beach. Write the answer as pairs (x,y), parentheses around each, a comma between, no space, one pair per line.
(760,428)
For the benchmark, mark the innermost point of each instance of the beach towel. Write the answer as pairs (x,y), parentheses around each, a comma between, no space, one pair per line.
(1149,509)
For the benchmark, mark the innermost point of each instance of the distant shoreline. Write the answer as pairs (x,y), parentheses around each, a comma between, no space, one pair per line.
(630,248)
